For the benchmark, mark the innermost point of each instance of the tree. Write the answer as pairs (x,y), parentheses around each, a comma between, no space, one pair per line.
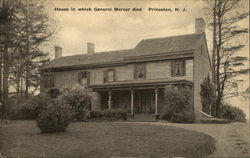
(228,39)
(7,30)
(208,96)
(24,27)
(35,30)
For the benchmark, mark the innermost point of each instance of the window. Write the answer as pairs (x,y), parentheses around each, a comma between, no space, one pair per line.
(140,71)
(83,77)
(178,68)
(109,75)
(49,79)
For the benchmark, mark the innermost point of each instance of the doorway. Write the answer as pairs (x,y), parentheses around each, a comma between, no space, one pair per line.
(144,102)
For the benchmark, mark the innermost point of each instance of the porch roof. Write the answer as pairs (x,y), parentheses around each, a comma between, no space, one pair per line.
(139,84)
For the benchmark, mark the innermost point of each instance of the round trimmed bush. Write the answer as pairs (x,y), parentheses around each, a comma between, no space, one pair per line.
(79,99)
(55,117)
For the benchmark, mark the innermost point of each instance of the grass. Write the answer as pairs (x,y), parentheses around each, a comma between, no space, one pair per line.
(103,139)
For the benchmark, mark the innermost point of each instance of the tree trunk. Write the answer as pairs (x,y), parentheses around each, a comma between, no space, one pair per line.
(214,43)
(18,86)
(219,97)
(1,76)
(26,83)
(28,52)
(21,87)
(5,80)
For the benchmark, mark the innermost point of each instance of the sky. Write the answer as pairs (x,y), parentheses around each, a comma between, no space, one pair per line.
(123,30)
(120,30)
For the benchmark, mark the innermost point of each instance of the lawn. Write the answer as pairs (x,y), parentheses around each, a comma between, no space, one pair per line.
(103,139)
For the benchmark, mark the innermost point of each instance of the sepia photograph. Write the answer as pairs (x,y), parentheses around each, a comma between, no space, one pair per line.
(124,79)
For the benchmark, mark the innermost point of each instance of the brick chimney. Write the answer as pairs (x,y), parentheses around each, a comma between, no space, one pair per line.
(90,48)
(58,52)
(200,25)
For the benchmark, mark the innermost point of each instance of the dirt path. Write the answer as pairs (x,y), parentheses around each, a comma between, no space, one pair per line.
(232,139)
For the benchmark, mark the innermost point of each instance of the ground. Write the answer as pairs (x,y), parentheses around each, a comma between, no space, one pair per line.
(104,139)
(232,140)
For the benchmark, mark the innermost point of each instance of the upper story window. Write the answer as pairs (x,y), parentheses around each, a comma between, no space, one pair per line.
(109,75)
(49,79)
(140,71)
(83,77)
(178,68)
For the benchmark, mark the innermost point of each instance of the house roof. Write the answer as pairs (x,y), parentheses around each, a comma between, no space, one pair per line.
(88,59)
(166,45)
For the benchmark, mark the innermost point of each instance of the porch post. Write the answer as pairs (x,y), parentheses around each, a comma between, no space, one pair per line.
(109,101)
(132,102)
(156,101)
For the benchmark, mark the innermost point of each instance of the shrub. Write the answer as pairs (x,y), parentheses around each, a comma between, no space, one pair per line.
(115,114)
(9,111)
(110,115)
(79,99)
(208,96)
(232,113)
(53,92)
(178,105)
(28,108)
(55,117)
(96,114)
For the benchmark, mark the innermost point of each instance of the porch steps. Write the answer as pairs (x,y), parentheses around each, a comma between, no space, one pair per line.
(142,118)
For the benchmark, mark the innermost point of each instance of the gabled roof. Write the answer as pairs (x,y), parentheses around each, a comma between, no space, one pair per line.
(166,45)
(88,59)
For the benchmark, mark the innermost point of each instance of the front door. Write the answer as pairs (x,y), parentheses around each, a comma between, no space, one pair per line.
(144,102)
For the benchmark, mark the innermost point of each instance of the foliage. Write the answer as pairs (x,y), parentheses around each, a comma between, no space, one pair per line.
(53,92)
(34,30)
(232,113)
(55,117)
(28,108)
(11,110)
(228,39)
(79,99)
(178,106)
(24,28)
(208,96)
(110,115)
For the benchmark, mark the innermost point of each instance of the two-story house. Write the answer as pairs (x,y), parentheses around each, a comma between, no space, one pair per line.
(134,79)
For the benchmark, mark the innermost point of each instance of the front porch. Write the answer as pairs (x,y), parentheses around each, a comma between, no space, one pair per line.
(143,102)
(140,103)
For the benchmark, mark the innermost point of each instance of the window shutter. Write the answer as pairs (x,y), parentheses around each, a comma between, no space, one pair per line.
(52,79)
(183,67)
(88,77)
(105,76)
(79,77)
(144,71)
(135,71)
(172,68)
(45,81)
(113,75)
